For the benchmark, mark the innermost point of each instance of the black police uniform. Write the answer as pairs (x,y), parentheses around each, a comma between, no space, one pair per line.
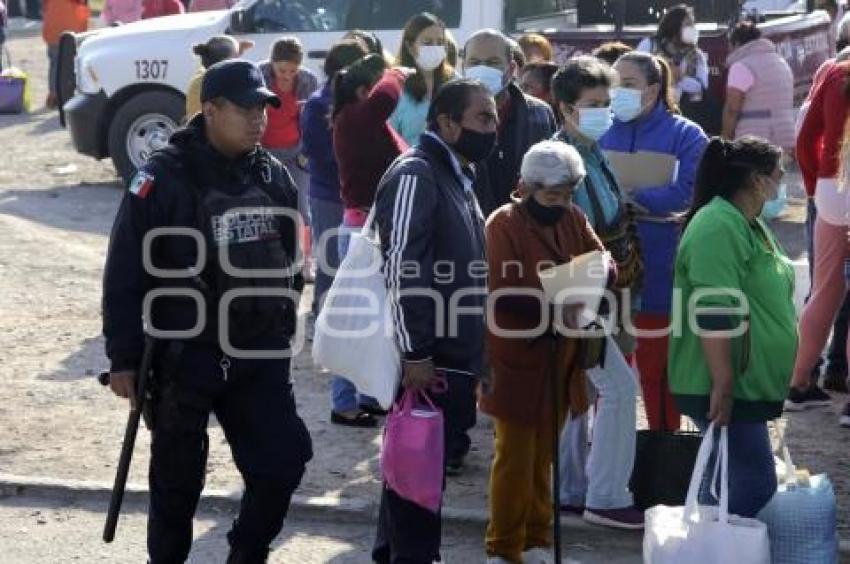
(191,185)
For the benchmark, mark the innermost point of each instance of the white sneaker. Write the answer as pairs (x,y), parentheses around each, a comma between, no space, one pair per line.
(543,556)
(17,23)
(497,560)
(845,416)
(537,556)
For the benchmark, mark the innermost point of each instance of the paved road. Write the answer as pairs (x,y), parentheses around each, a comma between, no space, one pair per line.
(44,532)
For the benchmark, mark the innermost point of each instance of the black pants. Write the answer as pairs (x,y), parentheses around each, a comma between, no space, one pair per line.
(269,441)
(33,9)
(408,533)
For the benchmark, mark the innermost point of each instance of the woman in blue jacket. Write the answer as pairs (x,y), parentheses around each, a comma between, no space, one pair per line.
(646,120)
(326,210)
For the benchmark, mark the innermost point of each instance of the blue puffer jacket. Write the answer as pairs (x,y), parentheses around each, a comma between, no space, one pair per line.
(660,132)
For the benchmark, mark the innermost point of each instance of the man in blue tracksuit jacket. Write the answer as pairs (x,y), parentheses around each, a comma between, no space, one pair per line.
(432,239)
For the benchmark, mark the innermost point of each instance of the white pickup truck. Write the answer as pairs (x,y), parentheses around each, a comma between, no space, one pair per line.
(123,87)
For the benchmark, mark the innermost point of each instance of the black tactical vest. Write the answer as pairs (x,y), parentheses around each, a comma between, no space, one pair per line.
(248,281)
(247,259)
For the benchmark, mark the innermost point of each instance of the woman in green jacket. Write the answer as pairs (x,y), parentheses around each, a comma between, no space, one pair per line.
(735,330)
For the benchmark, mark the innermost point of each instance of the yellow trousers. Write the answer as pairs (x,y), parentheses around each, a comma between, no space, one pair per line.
(520,490)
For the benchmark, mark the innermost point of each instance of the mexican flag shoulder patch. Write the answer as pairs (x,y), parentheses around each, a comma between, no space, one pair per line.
(142,184)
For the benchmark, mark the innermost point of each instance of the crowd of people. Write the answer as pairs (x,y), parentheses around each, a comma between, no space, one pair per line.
(507,159)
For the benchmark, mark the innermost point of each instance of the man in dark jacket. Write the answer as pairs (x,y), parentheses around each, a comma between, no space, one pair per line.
(432,238)
(523,119)
(204,250)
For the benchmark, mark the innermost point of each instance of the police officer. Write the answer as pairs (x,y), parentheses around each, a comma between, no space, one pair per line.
(229,299)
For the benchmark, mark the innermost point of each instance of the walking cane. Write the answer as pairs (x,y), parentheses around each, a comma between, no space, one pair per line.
(556,454)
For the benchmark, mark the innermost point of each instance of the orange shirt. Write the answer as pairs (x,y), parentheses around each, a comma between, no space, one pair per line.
(61,16)
(283,130)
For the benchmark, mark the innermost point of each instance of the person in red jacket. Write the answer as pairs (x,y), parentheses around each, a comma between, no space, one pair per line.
(60,16)
(158,8)
(365,95)
(819,145)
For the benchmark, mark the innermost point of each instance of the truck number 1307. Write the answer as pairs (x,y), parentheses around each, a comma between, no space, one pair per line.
(151,70)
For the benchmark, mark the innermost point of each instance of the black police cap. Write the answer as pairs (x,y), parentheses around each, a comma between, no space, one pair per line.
(238,81)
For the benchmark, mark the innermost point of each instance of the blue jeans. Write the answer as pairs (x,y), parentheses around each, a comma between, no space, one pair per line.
(344,396)
(300,177)
(326,217)
(599,479)
(836,357)
(752,472)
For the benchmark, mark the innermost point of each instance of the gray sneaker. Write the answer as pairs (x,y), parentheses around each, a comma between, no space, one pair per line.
(627,518)
(845,416)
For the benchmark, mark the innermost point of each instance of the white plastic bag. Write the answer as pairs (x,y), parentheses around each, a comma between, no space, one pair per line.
(354,332)
(697,534)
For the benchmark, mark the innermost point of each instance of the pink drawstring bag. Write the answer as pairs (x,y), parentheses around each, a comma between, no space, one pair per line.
(412,454)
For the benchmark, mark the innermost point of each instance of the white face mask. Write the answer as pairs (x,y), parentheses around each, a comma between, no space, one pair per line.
(626,103)
(690,35)
(593,123)
(492,78)
(430,57)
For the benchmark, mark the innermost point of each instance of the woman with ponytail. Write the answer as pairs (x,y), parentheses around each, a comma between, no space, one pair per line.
(218,48)
(646,121)
(365,95)
(736,330)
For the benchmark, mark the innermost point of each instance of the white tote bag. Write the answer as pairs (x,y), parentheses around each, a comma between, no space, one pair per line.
(354,332)
(697,534)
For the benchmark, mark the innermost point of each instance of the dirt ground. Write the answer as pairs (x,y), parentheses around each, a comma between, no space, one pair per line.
(56,210)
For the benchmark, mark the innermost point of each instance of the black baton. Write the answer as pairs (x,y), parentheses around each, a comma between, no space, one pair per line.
(129,439)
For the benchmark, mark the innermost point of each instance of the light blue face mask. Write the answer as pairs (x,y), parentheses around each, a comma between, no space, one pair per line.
(626,103)
(490,77)
(772,208)
(593,123)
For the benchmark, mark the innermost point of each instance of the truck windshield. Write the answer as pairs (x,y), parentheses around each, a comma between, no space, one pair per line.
(516,10)
(339,15)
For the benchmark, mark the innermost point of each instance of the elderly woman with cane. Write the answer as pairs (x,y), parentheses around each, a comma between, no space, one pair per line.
(540,227)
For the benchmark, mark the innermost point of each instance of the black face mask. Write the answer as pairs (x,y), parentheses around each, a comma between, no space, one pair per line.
(544,215)
(475,146)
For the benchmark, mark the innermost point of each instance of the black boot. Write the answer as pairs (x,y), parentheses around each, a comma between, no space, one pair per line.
(241,556)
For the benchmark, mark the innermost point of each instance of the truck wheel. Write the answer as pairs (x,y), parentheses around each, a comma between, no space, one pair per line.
(141,126)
